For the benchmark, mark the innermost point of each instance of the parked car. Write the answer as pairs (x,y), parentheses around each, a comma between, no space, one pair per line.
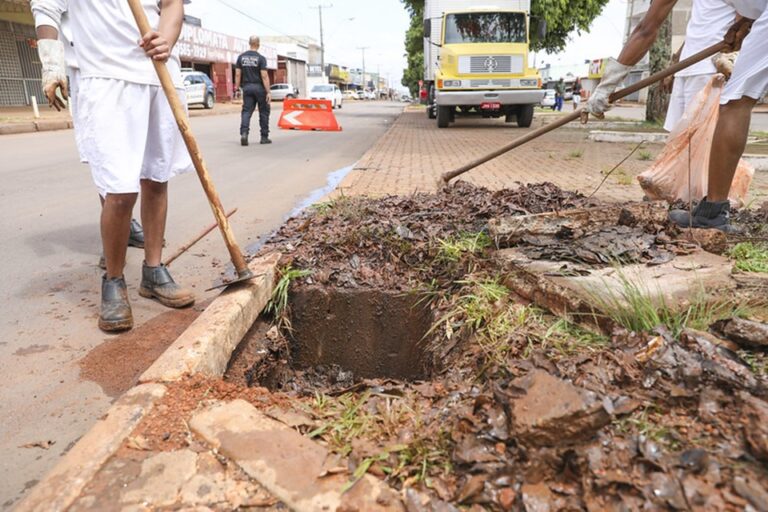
(549,98)
(350,94)
(200,89)
(283,91)
(329,92)
(370,95)
(360,94)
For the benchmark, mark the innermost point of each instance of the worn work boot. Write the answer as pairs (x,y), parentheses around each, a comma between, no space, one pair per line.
(265,140)
(706,215)
(137,235)
(116,312)
(243,139)
(157,283)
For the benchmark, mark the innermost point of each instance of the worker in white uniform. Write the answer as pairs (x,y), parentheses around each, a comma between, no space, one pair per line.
(710,20)
(127,133)
(52,13)
(748,83)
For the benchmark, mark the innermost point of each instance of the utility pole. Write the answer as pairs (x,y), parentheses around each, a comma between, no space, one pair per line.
(320,8)
(363,48)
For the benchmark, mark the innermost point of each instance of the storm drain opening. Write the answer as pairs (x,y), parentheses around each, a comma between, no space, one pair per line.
(334,337)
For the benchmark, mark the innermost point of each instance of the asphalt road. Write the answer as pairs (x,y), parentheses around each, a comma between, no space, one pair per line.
(50,282)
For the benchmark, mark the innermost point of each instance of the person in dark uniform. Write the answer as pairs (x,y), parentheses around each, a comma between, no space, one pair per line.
(251,72)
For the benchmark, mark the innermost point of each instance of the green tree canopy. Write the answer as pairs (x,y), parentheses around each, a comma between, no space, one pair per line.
(564,17)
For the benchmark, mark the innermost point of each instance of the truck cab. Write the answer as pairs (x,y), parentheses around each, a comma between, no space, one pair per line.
(476,61)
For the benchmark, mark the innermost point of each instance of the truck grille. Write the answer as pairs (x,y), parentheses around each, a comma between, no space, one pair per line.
(490,64)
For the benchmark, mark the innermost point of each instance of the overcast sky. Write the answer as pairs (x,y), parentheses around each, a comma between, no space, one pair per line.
(379,25)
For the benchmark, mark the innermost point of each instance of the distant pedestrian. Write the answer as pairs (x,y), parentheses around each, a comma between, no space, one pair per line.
(251,72)
(559,95)
(576,93)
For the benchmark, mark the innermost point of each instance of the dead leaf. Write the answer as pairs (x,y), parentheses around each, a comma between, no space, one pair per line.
(39,444)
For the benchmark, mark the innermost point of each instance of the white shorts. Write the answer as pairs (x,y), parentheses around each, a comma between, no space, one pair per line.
(576,99)
(129,134)
(74,87)
(750,74)
(684,90)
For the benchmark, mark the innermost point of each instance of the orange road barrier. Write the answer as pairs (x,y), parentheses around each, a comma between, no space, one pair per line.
(308,115)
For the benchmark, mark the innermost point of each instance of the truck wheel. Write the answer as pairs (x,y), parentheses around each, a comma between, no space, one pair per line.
(525,116)
(452,115)
(443,116)
(431,107)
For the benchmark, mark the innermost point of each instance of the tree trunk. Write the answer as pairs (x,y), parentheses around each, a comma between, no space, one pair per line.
(660,58)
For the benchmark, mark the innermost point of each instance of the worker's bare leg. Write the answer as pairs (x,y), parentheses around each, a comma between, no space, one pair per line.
(728,145)
(156,281)
(115,312)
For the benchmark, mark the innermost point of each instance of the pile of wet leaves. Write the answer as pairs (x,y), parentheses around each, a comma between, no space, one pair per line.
(395,240)
(526,412)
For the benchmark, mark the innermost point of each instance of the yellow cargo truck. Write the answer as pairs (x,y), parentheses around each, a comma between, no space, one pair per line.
(476,60)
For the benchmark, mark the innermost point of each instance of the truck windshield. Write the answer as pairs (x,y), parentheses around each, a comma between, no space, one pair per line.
(485,27)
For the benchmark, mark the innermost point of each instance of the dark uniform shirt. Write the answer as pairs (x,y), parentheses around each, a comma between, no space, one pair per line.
(250,65)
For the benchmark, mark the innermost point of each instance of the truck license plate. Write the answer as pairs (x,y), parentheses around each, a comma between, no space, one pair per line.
(488,105)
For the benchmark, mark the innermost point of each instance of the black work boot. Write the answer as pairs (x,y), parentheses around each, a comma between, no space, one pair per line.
(116,312)
(265,140)
(157,283)
(706,215)
(136,239)
(243,139)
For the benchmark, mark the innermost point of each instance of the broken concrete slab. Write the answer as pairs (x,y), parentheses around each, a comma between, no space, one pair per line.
(62,486)
(288,464)
(553,411)
(206,346)
(579,293)
(509,230)
(745,333)
(161,479)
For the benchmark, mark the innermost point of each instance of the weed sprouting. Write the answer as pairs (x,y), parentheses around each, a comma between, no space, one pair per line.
(278,303)
(576,153)
(647,423)
(453,249)
(639,309)
(568,339)
(750,257)
(644,155)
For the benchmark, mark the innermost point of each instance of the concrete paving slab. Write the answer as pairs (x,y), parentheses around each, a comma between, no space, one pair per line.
(288,464)
(61,487)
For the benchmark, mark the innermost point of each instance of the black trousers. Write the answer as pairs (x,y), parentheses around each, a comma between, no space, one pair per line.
(254,95)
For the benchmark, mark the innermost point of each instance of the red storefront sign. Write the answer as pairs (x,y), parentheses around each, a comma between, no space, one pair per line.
(201,45)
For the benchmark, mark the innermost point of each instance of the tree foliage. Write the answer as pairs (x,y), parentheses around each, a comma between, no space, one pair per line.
(563,18)
(660,57)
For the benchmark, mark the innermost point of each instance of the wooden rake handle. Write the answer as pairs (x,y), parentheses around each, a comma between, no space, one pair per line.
(656,77)
(180,114)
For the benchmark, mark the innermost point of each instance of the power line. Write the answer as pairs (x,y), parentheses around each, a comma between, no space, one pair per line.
(240,11)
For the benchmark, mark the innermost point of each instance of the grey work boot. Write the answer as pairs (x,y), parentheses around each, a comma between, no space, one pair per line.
(137,235)
(116,312)
(705,215)
(157,283)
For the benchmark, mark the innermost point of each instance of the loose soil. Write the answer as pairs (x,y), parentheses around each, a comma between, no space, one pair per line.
(490,402)
(117,364)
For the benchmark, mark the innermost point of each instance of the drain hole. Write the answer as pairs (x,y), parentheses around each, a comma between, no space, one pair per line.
(338,336)
(371,333)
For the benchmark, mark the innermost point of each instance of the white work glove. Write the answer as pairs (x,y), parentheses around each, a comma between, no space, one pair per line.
(51,53)
(615,73)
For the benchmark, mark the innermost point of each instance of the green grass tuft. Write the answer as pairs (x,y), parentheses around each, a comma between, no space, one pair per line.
(278,302)
(750,257)
(454,248)
(644,155)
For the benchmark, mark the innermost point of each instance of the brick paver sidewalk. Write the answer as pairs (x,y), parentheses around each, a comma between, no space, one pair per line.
(413,154)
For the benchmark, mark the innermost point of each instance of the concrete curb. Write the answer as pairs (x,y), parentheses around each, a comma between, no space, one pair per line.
(759,162)
(632,137)
(204,348)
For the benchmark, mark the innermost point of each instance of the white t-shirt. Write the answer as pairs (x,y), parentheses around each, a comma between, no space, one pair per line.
(53,13)
(107,38)
(710,20)
(750,8)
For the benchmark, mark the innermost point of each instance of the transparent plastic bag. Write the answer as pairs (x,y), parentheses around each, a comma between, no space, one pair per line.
(681,170)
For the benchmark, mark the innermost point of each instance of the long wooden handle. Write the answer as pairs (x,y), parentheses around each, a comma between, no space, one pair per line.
(179,112)
(623,93)
(184,248)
